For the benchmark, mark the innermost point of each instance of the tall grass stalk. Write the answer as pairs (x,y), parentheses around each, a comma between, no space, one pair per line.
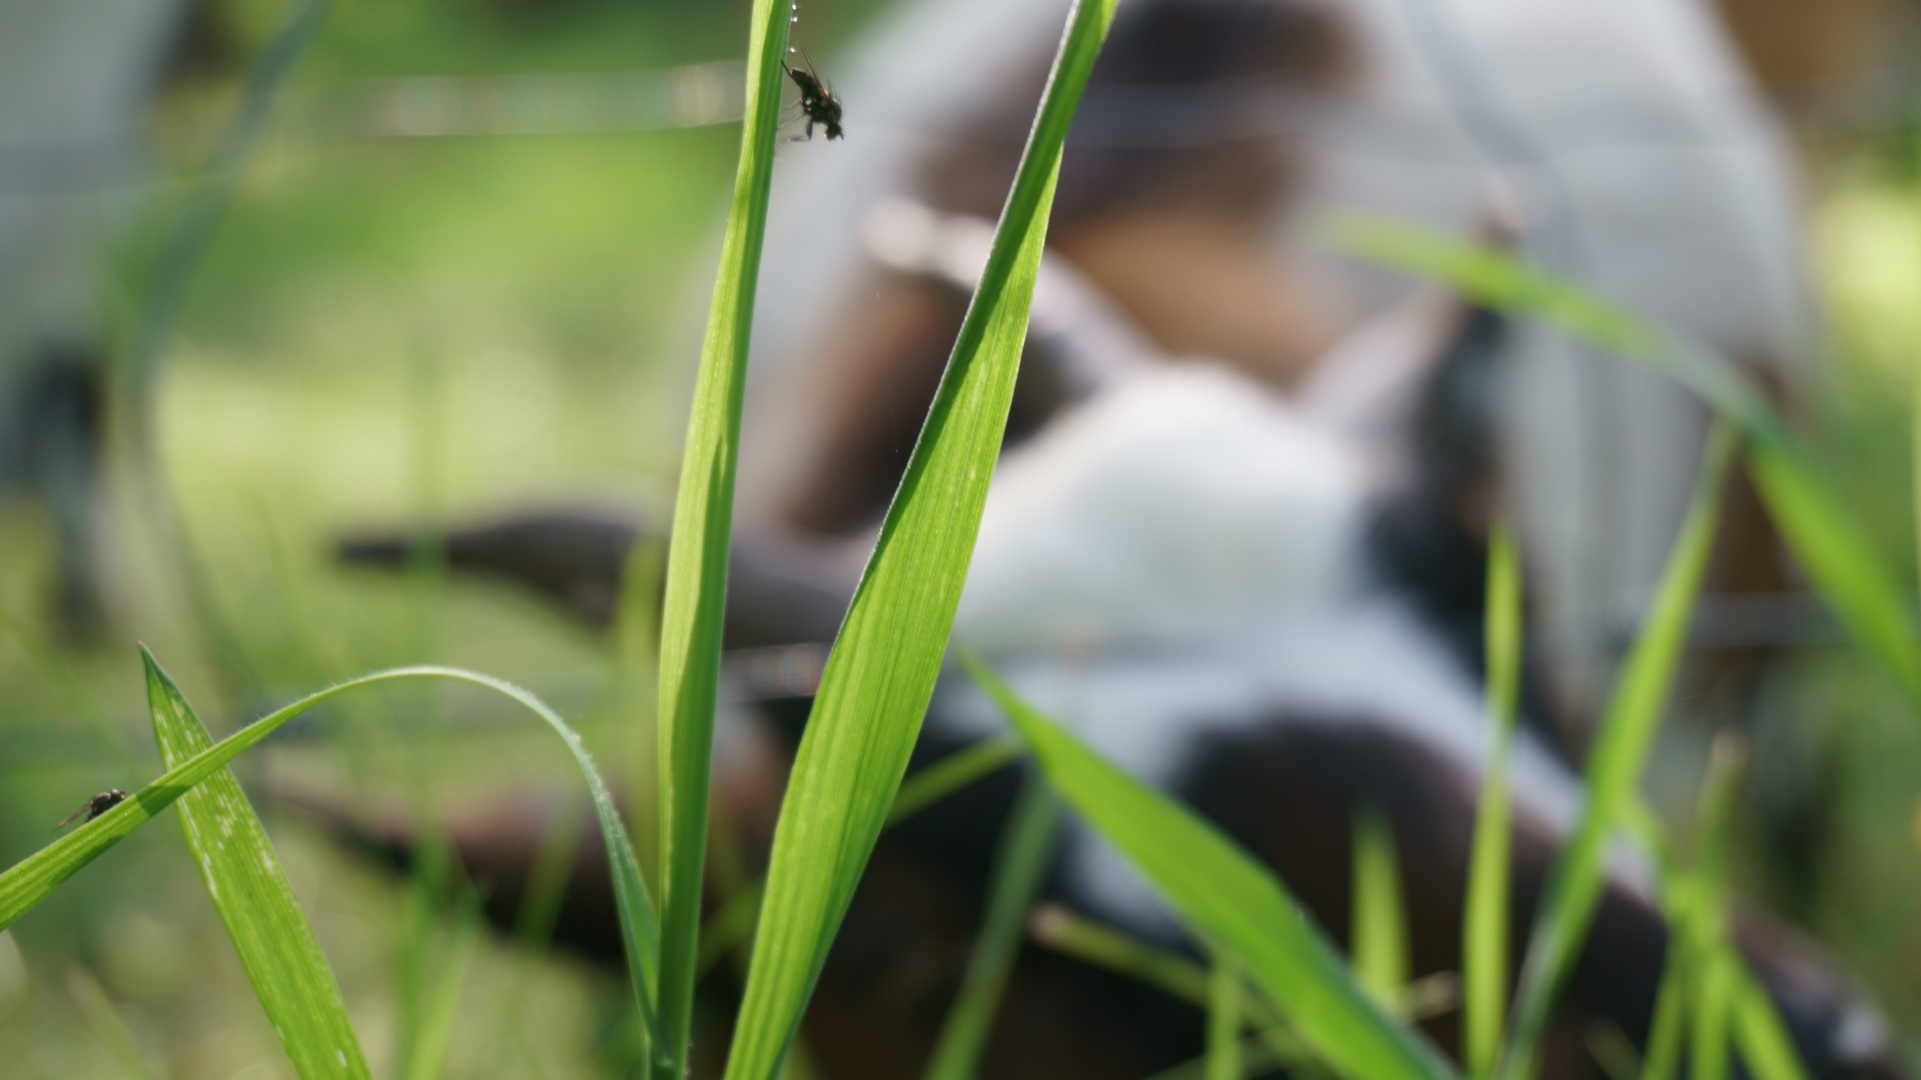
(696,588)
(1020,869)
(1484,935)
(881,672)
(1615,763)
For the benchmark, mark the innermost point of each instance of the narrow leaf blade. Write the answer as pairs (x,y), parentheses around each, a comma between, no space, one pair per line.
(1634,712)
(1225,895)
(1484,938)
(275,941)
(881,672)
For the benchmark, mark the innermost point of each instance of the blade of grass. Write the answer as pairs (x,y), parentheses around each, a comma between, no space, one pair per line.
(1634,712)
(1663,1056)
(1717,967)
(427,1047)
(1103,946)
(952,773)
(694,603)
(881,672)
(1378,925)
(1826,538)
(1021,861)
(734,922)
(1484,936)
(1226,895)
(31,879)
(1224,1020)
(1760,1034)
(275,941)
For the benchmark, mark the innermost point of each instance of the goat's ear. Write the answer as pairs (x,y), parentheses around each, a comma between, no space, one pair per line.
(1396,386)
(1454,435)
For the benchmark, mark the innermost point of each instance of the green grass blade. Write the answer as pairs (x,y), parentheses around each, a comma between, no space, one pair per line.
(881,672)
(1020,868)
(1224,1020)
(428,1048)
(696,588)
(1614,765)
(1835,551)
(1378,926)
(1760,1035)
(1713,984)
(735,920)
(1828,540)
(31,879)
(1484,937)
(276,943)
(1663,1055)
(1225,895)
(952,773)
(1103,946)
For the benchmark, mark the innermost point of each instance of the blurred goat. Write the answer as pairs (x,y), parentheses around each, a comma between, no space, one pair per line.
(1237,536)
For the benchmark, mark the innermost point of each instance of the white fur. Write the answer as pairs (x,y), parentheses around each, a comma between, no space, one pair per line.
(1180,557)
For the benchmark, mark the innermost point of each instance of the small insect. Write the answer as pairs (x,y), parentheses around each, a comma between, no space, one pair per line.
(96,806)
(817,101)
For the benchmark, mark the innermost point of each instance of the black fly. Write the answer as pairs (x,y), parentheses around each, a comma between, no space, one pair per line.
(817,101)
(96,806)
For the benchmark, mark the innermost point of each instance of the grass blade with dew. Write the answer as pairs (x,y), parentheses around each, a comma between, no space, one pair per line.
(1224,1019)
(31,879)
(1484,935)
(1228,897)
(1634,711)
(275,941)
(1827,539)
(880,674)
(695,594)
(1025,852)
(1379,922)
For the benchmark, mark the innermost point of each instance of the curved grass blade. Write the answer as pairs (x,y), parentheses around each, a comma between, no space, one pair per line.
(881,672)
(1825,537)
(1228,897)
(1026,849)
(1614,765)
(29,881)
(1484,937)
(276,944)
(696,588)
